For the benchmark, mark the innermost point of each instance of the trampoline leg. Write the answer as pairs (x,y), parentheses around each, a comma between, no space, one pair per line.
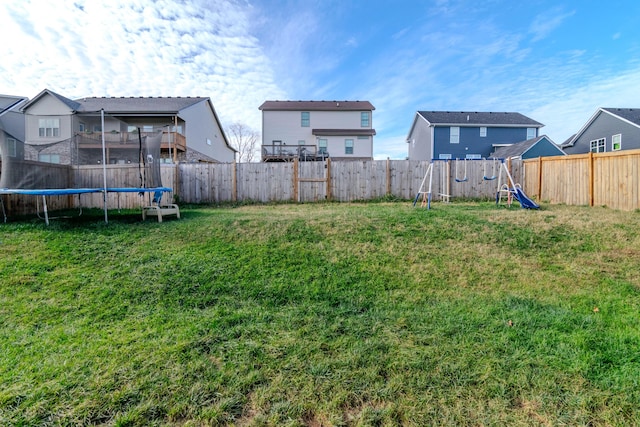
(46,214)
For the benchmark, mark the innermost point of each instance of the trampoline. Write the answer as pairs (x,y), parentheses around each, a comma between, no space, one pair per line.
(29,170)
(70,192)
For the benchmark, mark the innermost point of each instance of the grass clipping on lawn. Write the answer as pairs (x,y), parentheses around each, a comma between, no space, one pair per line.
(324,314)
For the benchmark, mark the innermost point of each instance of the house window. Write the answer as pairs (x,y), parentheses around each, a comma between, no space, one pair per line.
(365,119)
(454,135)
(147,128)
(348,146)
(11,147)
(305,119)
(483,131)
(48,127)
(531,133)
(473,157)
(444,157)
(132,129)
(322,146)
(83,127)
(49,158)
(616,142)
(597,145)
(301,142)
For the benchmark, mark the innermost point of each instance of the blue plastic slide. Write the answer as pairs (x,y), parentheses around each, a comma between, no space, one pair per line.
(524,201)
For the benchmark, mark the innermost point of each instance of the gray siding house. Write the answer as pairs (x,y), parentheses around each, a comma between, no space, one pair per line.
(315,130)
(466,135)
(541,146)
(609,129)
(190,127)
(11,125)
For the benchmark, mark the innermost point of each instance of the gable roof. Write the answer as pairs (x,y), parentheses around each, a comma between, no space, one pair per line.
(520,148)
(66,101)
(316,106)
(137,105)
(10,103)
(629,115)
(476,118)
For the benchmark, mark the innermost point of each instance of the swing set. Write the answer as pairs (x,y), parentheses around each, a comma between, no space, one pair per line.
(492,169)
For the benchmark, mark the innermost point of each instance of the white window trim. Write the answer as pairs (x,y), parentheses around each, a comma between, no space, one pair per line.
(347,146)
(365,123)
(483,132)
(444,156)
(613,142)
(305,122)
(323,145)
(454,138)
(597,144)
(531,133)
(48,128)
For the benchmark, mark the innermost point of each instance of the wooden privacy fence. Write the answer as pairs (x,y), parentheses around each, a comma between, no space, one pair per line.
(343,181)
(593,179)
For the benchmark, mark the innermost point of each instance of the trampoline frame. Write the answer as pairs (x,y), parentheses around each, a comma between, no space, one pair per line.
(73,191)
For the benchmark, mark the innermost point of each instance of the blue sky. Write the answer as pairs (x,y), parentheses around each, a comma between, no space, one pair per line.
(554,61)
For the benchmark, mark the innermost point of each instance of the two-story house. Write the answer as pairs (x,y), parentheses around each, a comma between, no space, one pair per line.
(315,130)
(58,128)
(466,135)
(609,129)
(11,125)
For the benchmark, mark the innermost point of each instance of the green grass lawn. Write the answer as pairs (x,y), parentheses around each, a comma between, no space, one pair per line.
(323,314)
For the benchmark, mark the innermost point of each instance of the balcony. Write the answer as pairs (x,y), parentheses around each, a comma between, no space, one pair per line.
(288,153)
(130,139)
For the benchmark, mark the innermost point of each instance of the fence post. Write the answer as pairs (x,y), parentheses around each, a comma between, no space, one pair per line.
(388,178)
(234,181)
(296,195)
(328,179)
(539,177)
(591,178)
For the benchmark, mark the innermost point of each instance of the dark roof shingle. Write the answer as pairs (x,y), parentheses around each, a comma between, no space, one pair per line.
(477,118)
(136,104)
(630,114)
(316,106)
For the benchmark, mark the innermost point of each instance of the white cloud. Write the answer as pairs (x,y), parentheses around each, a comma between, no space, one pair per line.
(548,21)
(140,48)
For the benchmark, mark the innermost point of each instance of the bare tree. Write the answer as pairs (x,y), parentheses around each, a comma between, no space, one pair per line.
(245,140)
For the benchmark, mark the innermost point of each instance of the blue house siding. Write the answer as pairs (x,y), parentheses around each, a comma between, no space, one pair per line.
(605,126)
(471,143)
(544,148)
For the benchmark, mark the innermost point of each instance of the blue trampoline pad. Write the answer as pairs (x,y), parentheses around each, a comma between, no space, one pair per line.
(50,191)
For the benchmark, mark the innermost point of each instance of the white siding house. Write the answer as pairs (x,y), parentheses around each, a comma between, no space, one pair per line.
(315,130)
